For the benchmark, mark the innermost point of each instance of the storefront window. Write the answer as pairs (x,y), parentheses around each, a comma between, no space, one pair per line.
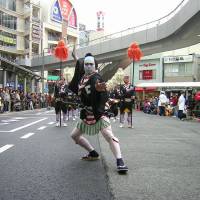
(147,74)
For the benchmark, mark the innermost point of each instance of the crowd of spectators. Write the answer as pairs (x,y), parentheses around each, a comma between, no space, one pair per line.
(177,105)
(15,100)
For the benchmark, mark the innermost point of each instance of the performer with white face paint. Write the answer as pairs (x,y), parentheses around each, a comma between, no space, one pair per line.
(92,92)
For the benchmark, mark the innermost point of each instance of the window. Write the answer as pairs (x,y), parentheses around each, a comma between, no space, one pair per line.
(54,36)
(178,69)
(9,4)
(8,21)
(147,74)
(8,39)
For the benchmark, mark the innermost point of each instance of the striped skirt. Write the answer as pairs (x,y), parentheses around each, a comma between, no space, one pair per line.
(94,128)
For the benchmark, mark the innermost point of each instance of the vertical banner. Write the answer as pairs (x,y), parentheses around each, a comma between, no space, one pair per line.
(66,8)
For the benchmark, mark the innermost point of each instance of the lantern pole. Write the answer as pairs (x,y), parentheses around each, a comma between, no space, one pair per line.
(133,72)
(60,96)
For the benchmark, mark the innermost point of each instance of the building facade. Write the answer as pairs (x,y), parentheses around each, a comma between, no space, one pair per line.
(33,27)
(29,26)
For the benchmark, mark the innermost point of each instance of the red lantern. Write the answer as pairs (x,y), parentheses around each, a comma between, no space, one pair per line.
(61,52)
(134,52)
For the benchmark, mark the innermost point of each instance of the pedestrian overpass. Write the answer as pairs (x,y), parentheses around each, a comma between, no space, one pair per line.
(180,28)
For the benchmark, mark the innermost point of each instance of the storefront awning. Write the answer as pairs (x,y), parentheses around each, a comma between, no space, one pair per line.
(53,78)
(170,85)
(148,89)
(15,65)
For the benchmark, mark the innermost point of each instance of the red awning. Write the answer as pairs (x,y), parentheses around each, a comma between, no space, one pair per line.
(148,89)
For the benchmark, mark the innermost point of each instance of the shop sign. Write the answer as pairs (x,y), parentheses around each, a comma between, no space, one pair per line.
(36,32)
(56,13)
(63,10)
(7,39)
(147,65)
(178,59)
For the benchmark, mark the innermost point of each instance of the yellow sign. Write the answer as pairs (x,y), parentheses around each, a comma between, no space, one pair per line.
(7,39)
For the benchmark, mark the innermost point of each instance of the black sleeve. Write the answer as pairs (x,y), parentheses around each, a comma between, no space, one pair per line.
(98,99)
(78,74)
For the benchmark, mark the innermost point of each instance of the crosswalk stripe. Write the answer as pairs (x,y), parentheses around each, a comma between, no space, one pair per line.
(51,123)
(41,128)
(27,135)
(19,128)
(4,148)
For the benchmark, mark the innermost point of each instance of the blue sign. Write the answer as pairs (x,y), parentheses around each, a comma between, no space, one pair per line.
(56,13)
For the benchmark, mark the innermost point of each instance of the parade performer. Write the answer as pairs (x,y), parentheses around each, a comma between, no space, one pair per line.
(72,105)
(127,95)
(60,95)
(93,115)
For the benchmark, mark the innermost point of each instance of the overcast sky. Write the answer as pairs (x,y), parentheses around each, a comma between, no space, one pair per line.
(122,15)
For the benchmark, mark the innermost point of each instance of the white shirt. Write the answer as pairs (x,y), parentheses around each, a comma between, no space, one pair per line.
(181,102)
(162,99)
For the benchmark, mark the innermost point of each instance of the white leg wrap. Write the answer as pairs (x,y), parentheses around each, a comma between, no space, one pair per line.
(79,139)
(122,118)
(113,141)
(57,117)
(129,118)
(64,117)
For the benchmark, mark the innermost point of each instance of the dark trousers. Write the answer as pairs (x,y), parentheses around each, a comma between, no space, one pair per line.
(59,105)
(162,110)
(181,115)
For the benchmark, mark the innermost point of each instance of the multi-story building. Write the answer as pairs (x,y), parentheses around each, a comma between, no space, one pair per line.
(31,27)
(173,66)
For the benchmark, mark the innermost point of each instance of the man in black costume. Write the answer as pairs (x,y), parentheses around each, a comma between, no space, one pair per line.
(91,89)
(60,96)
(127,94)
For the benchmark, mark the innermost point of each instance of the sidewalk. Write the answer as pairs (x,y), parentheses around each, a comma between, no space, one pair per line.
(163,156)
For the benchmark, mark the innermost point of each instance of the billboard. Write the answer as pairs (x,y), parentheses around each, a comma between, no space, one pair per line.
(63,10)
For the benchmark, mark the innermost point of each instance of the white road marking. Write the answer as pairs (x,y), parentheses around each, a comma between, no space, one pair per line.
(27,125)
(27,135)
(4,148)
(10,120)
(3,123)
(19,118)
(41,128)
(38,113)
(51,123)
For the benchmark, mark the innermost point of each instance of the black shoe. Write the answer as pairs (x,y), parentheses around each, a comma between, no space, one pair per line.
(122,169)
(93,155)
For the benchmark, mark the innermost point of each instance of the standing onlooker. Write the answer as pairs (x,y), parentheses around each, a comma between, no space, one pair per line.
(174,102)
(6,99)
(181,106)
(162,102)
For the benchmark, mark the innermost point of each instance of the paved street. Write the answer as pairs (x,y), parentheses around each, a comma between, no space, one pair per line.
(163,156)
(39,161)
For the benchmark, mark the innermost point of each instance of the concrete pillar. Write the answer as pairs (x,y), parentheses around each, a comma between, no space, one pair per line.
(33,85)
(24,85)
(4,78)
(16,81)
